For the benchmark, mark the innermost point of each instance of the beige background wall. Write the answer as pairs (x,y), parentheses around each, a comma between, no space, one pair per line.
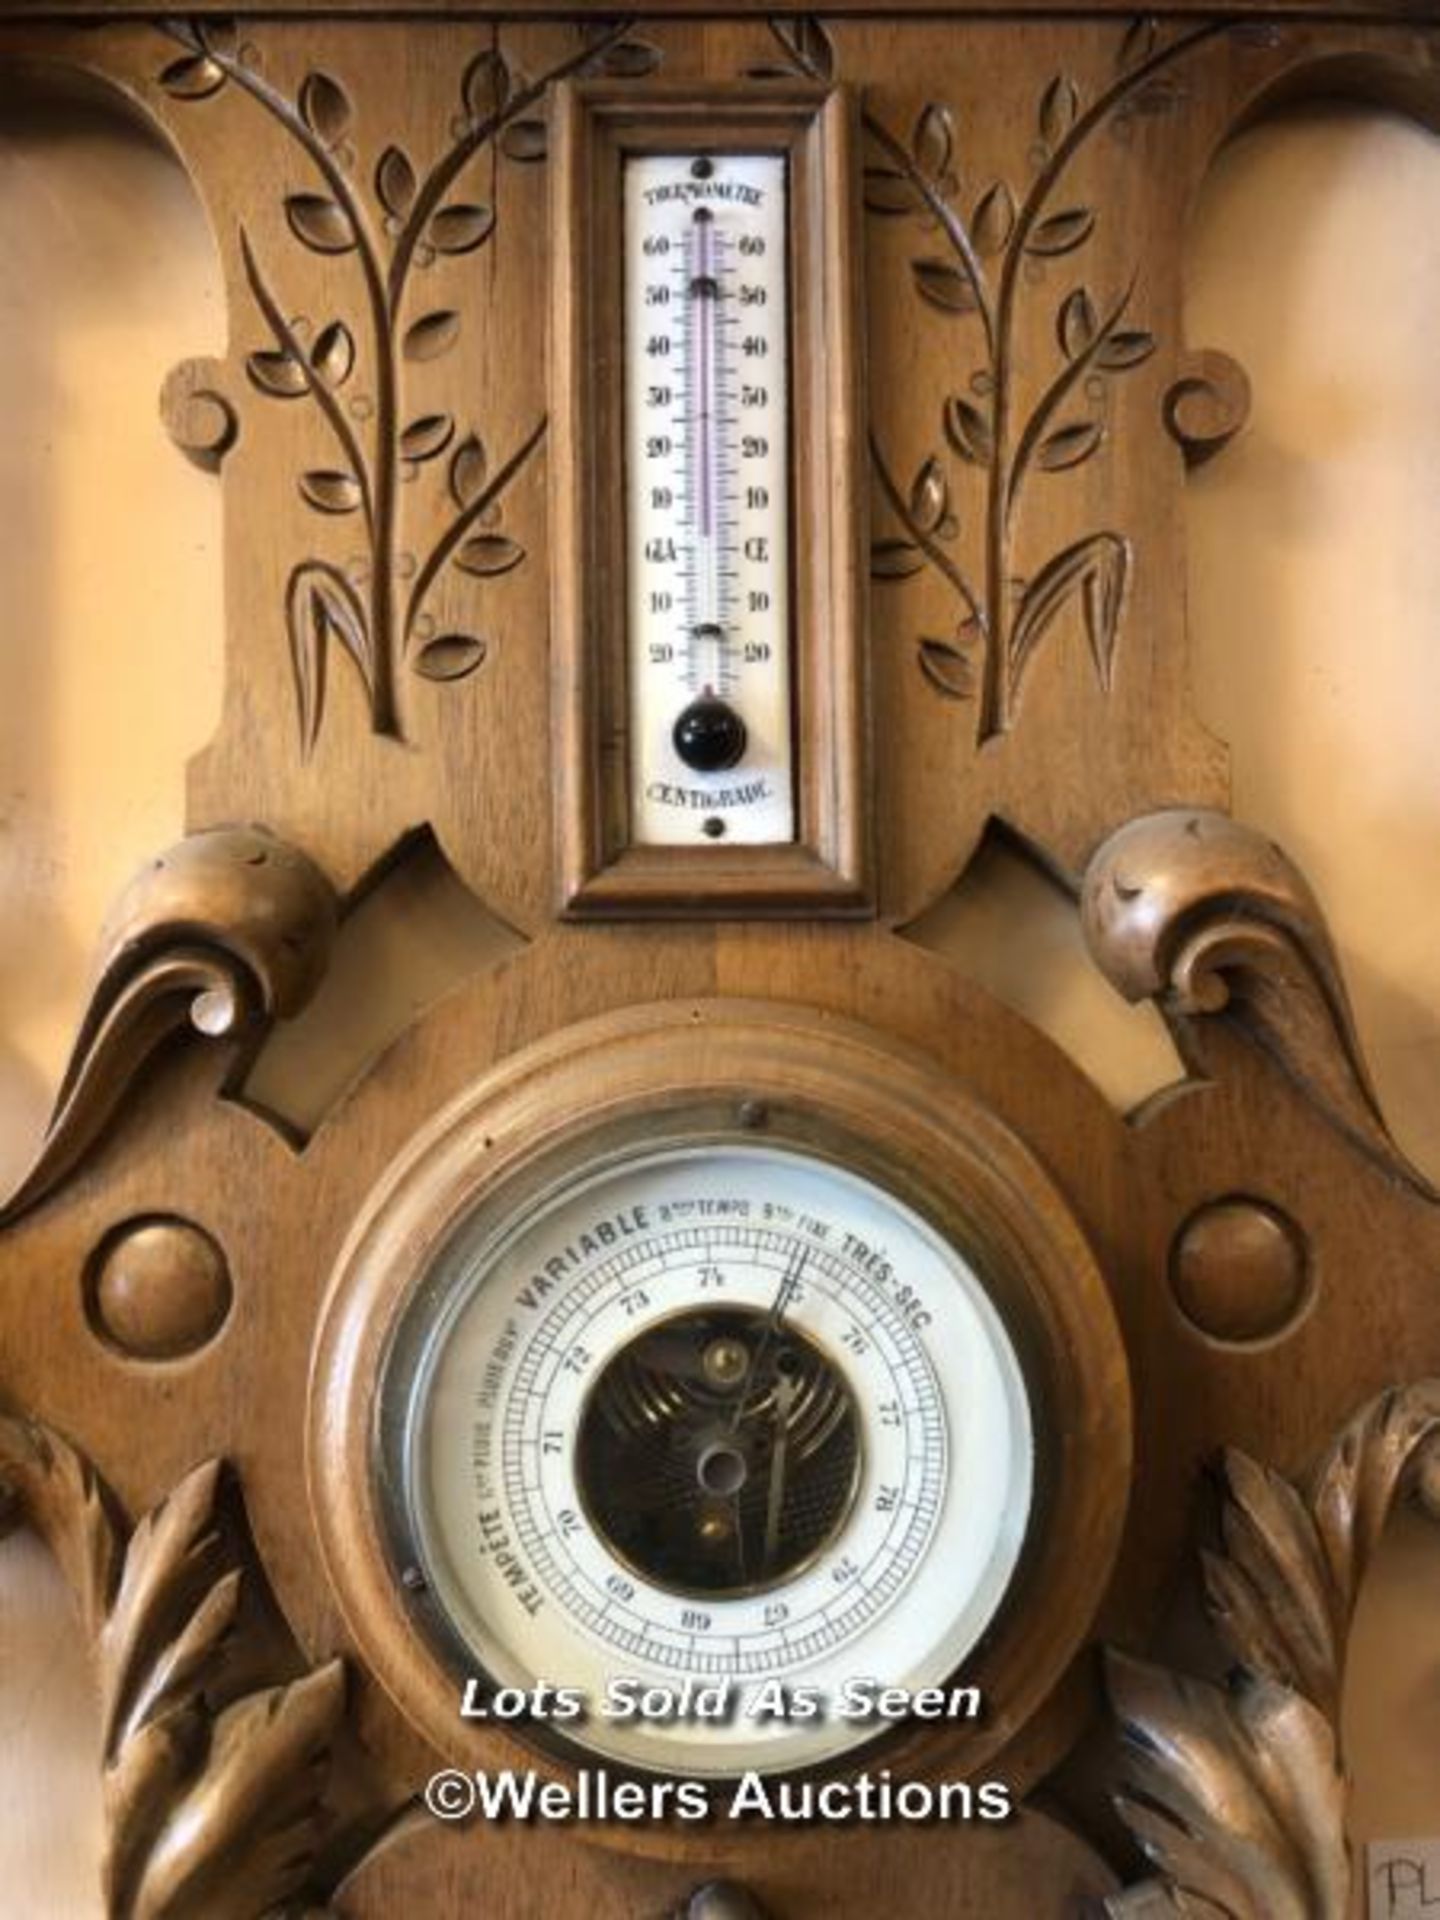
(1314,589)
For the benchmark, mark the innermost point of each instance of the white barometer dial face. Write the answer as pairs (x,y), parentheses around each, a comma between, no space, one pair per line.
(708,505)
(727,1415)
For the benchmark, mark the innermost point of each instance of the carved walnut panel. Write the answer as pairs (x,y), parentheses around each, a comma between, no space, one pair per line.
(1240,1264)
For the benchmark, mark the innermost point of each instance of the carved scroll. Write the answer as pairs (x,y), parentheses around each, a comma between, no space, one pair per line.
(1210,919)
(720,1900)
(226,931)
(1239,1797)
(214,1786)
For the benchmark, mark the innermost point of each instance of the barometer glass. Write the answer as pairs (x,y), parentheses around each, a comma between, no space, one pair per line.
(718,1413)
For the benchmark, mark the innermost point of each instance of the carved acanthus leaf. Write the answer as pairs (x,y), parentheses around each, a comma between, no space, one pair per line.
(1236,1797)
(215,1795)
(1282,1593)
(1212,920)
(1239,1797)
(227,930)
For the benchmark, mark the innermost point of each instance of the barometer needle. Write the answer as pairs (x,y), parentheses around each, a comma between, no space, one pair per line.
(789,1280)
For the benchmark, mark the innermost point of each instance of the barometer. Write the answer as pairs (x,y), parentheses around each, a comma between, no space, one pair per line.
(717,1413)
(708,1383)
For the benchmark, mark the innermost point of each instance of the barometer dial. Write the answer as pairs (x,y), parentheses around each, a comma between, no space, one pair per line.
(721,1412)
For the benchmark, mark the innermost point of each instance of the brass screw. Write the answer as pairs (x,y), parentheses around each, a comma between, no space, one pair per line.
(726,1362)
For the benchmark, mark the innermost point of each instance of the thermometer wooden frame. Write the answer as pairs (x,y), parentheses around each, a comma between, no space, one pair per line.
(825,869)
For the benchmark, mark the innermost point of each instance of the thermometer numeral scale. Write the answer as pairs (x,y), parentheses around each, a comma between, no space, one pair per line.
(707,498)
(706,491)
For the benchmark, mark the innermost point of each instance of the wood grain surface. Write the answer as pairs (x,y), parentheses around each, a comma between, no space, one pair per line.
(381,426)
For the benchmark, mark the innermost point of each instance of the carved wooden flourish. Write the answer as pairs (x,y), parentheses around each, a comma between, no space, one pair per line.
(973,270)
(214,1786)
(225,931)
(1238,1797)
(390,223)
(1211,919)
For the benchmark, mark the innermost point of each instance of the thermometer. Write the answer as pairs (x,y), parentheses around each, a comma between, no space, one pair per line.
(707,499)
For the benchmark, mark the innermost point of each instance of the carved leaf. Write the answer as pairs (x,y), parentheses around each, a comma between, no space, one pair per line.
(486,85)
(331,492)
(240,1840)
(62,1497)
(895,559)
(467,471)
(933,144)
(929,497)
(943,285)
(461,228)
(1226,926)
(319,223)
(808,45)
(994,218)
(217,35)
(948,670)
(433,334)
(139,1782)
(1138,43)
(1097,569)
(164,967)
(173,1554)
(1237,1798)
(278,374)
(1077,324)
(631,59)
(326,109)
(333,357)
(450,656)
(182,1666)
(1058,107)
(1124,350)
(888,190)
(395,183)
(1069,446)
(1360,1478)
(211,1809)
(321,605)
(1061,232)
(486,554)
(195,77)
(425,438)
(1270,1595)
(525,140)
(968,429)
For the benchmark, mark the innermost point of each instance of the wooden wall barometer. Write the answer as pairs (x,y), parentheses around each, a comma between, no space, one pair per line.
(695,476)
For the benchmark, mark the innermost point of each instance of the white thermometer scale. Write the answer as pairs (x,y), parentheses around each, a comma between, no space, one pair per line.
(707,499)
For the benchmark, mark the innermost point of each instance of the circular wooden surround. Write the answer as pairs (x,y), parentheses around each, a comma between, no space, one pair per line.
(713,1070)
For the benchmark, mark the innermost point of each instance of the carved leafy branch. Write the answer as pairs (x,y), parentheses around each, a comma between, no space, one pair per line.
(971,271)
(214,1787)
(401,221)
(1239,1797)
